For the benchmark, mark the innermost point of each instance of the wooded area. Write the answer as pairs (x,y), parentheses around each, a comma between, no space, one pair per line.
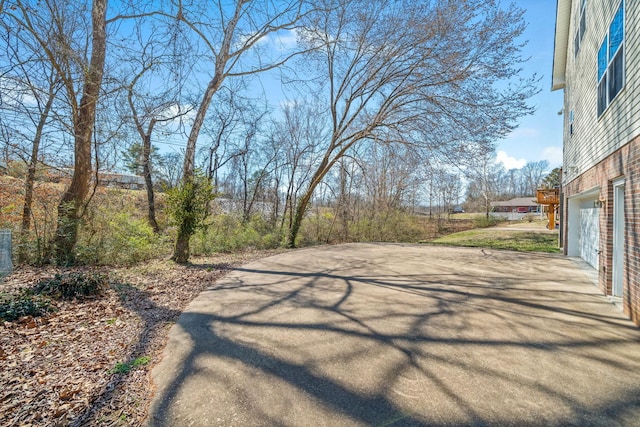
(352,117)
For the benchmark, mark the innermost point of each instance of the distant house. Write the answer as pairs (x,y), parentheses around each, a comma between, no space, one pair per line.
(119,180)
(521,205)
(597,64)
(105,179)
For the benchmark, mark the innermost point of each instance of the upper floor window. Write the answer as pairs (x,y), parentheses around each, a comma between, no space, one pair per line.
(581,27)
(571,122)
(611,61)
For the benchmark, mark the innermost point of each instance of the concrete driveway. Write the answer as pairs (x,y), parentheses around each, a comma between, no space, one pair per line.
(402,335)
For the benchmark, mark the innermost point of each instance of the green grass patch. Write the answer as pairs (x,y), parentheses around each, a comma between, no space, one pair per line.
(468,215)
(524,241)
(126,367)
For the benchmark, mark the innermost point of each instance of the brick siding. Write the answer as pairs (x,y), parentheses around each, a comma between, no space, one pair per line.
(624,163)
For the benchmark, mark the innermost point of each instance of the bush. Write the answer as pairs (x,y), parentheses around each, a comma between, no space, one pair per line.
(25,303)
(117,238)
(73,285)
(227,233)
(484,222)
(373,225)
(187,204)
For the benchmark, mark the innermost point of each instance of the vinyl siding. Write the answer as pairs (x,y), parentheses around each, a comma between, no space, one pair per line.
(594,138)
(606,148)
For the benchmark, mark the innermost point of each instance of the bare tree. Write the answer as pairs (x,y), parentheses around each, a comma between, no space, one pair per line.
(389,173)
(162,112)
(150,59)
(251,170)
(169,169)
(487,180)
(84,114)
(533,172)
(223,126)
(29,87)
(60,28)
(424,73)
(230,35)
(294,141)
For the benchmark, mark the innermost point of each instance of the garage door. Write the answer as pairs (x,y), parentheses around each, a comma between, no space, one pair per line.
(589,237)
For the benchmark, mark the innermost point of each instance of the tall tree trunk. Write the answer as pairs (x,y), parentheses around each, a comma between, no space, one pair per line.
(343,204)
(146,158)
(303,202)
(325,166)
(276,204)
(70,205)
(146,170)
(301,209)
(31,176)
(181,248)
(287,211)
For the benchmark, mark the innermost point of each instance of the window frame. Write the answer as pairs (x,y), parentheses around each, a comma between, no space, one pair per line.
(611,69)
(571,118)
(581,27)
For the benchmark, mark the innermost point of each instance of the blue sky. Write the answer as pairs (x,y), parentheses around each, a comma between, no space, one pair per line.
(538,137)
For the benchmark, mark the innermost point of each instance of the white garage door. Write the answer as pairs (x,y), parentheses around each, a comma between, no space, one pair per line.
(589,237)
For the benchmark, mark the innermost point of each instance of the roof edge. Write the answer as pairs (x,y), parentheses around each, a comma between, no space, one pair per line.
(561,44)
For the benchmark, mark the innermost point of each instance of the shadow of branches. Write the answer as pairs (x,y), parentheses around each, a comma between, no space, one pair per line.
(400,336)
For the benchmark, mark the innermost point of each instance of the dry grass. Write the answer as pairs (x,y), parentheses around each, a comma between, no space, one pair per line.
(517,236)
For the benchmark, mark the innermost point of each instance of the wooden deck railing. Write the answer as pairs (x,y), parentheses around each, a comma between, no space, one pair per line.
(550,196)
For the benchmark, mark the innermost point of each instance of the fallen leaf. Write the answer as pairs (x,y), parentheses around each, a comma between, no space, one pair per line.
(67,394)
(61,411)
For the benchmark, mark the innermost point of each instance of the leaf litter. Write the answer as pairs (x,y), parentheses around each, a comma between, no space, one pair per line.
(61,369)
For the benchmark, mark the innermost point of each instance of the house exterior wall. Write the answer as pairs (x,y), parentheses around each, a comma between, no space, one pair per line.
(521,209)
(600,149)
(624,163)
(593,137)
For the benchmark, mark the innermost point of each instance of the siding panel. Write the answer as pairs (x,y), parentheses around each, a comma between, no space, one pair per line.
(594,137)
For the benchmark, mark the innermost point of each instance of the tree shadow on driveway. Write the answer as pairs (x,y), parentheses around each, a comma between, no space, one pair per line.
(400,335)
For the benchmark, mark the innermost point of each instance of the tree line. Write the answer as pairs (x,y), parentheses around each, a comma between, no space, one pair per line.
(493,182)
(375,98)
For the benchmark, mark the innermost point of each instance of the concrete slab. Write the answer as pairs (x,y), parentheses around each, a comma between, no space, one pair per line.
(402,335)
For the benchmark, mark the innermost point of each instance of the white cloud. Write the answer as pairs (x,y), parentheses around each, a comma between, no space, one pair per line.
(509,162)
(250,39)
(286,39)
(15,93)
(280,41)
(553,155)
(524,133)
(184,112)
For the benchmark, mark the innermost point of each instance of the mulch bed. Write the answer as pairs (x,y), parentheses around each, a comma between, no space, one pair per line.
(89,362)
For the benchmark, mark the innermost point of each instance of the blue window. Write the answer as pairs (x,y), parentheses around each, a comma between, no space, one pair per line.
(616,32)
(611,74)
(602,58)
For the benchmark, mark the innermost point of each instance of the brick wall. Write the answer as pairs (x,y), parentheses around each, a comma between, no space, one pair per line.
(623,163)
